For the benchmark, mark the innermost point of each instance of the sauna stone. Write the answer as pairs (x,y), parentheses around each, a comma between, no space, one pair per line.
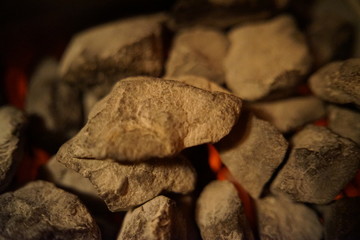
(39,210)
(12,122)
(338,82)
(200,82)
(257,66)
(220,213)
(320,164)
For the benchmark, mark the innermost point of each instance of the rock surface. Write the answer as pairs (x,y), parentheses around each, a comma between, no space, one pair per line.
(257,66)
(200,82)
(147,117)
(289,114)
(41,211)
(220,213)
(321,163)
(12,123)
(338,82)
(193,54)
(252,152)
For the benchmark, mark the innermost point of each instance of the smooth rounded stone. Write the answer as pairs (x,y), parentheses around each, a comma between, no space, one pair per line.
(345,122)
(147,117)
(289,114)
(220,213)
(338,82)
(12,122)
(320,164)
(281,219)
(252,152)
(266,59)
(200,82)
(193,54)
(39,210)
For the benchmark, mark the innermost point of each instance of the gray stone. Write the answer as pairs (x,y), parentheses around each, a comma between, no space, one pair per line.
(41,211)
(193,53)
(220,213)
(12,123)
(258,66)
(320,164)
(292,113)
(200,82)
(147,117)
(338,82)
(252,152)
(281,219)
(345,122)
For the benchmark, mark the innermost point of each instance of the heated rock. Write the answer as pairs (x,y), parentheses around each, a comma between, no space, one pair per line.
(200,82)
(289,114)
(220,213)
(12,123)
(338,82)
(146,117)
(257,66)
(345,122)
(252,152)
(193,54)
(321,163)
(281,219)
(41,211)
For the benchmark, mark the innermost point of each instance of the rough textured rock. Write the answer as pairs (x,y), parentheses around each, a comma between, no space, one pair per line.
(220,214)
(147,117)
(12,123)
(123,186)
(257,66)
(321,163)
(289,114)
(41,211)
(338,82)
(252,152)
(345,122)
(200,82)
(193,54)
(281,219)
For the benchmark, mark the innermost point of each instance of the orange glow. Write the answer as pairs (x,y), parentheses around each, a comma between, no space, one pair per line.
(303,89)
(352,189)
(214,158)
(16,86)
(321,122)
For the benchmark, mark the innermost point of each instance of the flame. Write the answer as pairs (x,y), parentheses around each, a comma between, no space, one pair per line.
(16,86)
(352,189)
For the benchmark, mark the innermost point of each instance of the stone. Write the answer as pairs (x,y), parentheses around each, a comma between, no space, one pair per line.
(147,117)
(12,123)
(220,213)
(200,82)
(289,114)
(193,54)
(338,82)
(345,122)
(320,164)
(39,210)
(281,219)
(252,152)
(257,66)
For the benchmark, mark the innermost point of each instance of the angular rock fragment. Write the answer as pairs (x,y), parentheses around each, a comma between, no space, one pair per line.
(281,219)
(338,82)
(147,117)
(200,82)
(252,152)
(41,211)
(193,54)
(321,163)
(257,66)
(289,114)
(12,123)
(345,122)
(220,213)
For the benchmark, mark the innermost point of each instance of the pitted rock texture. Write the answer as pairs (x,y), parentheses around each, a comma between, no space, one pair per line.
(338,82)
(289,114)
(200,82)
(200,52)
(281,219)
(320,164)
(220,213)
(12,123)
(252,152)
(39,210)
(258,66)
(147,117)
